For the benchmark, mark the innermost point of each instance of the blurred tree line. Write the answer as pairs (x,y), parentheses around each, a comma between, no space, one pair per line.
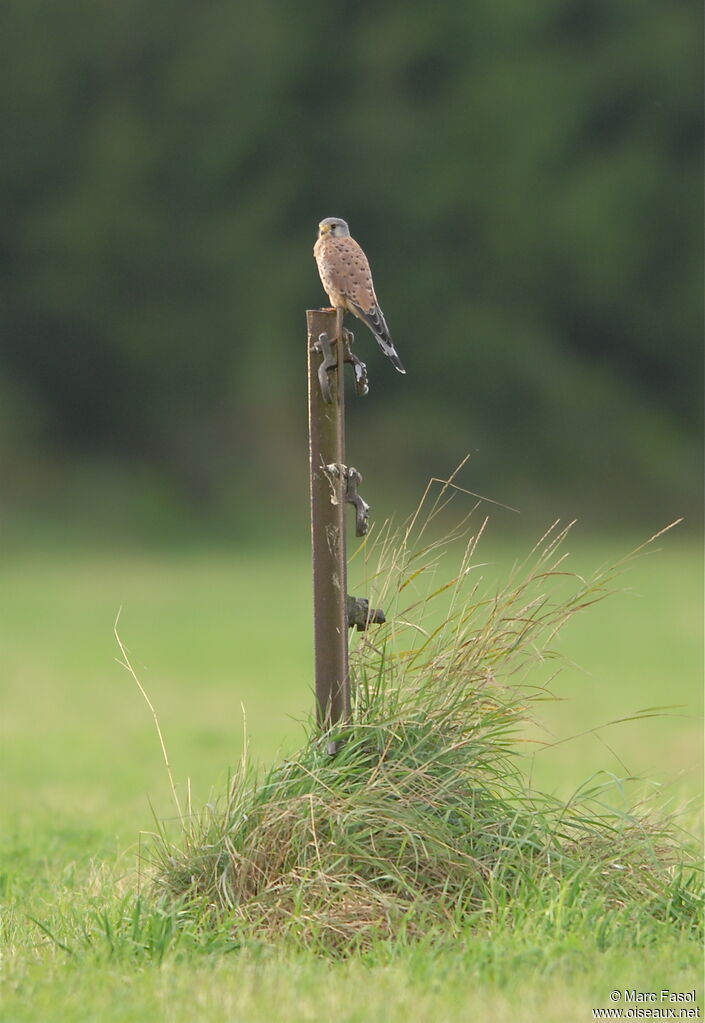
(524,178)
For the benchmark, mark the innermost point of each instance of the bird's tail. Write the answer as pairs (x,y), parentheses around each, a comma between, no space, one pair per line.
(377,324)
(390,351)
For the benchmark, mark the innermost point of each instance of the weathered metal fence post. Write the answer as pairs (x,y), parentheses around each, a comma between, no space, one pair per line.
(333,485)
(326,457)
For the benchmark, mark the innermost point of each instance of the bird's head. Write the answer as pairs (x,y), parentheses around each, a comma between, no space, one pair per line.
(333,226)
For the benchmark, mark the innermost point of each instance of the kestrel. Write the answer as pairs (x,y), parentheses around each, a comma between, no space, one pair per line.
(346,279)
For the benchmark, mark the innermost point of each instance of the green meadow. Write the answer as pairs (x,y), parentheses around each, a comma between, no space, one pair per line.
(221,642)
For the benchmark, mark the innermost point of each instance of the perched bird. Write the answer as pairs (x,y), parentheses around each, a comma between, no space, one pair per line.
(346,279)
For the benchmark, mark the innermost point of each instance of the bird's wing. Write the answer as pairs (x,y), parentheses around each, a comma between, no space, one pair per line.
(352,273)
(358,289)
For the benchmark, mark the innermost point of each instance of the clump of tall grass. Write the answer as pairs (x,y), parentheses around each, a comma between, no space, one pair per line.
(423,818)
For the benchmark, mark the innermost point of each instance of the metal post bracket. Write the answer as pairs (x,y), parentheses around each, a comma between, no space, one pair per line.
(324,345)
(351,496)
(361,615)
(362,385)
(329,362)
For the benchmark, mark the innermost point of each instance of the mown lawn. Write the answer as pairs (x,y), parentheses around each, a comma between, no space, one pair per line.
(211,632)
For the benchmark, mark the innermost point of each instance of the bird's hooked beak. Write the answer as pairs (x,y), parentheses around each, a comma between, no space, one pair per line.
(324,229)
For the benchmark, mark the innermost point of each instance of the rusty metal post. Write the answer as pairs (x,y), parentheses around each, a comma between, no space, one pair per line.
(328,489)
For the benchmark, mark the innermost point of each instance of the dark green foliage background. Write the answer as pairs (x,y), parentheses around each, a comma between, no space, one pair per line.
(524,177)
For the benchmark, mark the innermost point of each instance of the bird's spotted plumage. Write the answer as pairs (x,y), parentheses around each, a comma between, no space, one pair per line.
(347,280)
